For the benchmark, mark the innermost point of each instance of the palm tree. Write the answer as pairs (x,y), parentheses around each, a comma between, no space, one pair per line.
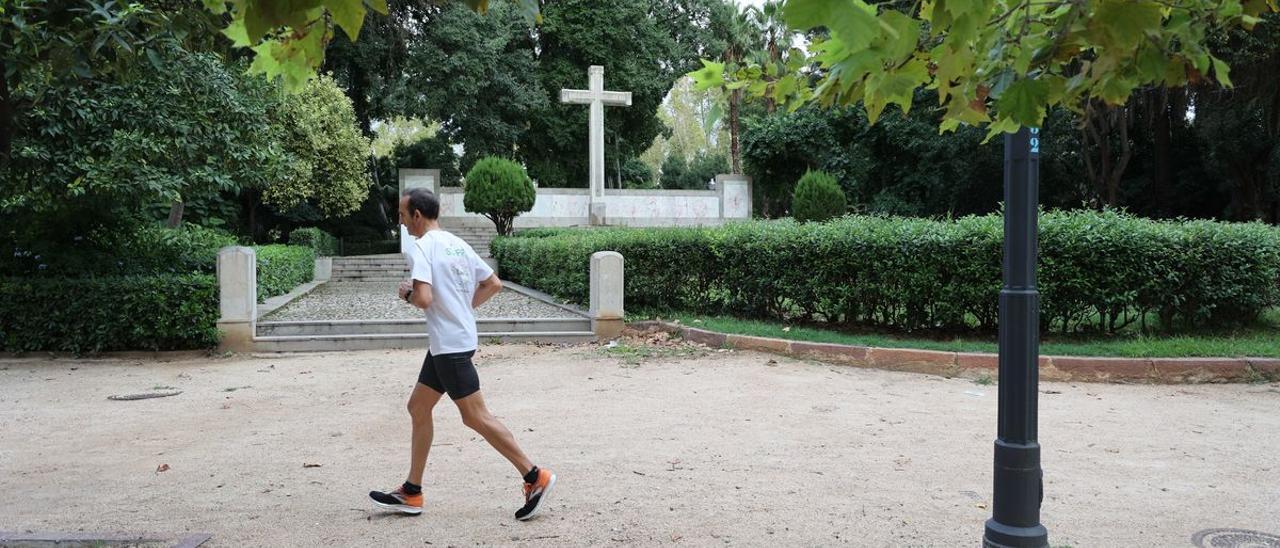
(774,36)
(735,29)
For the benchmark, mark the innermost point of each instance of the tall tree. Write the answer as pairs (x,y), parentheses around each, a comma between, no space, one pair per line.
(1240,127)
(46,43)
(368,67)
(644,45)
(734,28)
(477,76)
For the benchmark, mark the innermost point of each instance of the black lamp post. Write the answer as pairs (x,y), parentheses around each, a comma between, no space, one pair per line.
(1019,481)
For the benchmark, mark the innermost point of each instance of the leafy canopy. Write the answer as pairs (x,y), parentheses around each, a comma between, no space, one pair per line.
(288,37)
(999,63)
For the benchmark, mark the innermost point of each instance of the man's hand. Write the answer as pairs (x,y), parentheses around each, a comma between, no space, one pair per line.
(487,288)
(405,287)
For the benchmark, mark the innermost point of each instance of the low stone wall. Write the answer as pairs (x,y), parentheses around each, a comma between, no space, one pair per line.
(951,364)
(560,207)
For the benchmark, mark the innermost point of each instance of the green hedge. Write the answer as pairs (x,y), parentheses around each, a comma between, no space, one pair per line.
(282,268)
(141,250)
(366,247)
(1097,270)
(324,244)
(159,312)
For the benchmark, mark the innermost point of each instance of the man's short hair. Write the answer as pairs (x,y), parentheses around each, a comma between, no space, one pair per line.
(424,201)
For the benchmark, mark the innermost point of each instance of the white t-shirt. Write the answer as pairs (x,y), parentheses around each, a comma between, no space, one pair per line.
(454,270)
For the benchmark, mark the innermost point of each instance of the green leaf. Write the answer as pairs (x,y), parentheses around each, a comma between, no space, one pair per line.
(1221,71)
(1024,102)
(348,14)
(237,33)
(905,37)
(379,6)
(852,21)
(1122,24)
(709,76)
(1151,62)
(1002,125)
(217,7)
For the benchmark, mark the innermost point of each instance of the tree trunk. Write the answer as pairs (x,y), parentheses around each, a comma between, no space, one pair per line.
(249,203)
(1105,171)
(1248,189)
(1161,178)
(175,214)
(6,118)
(735,155)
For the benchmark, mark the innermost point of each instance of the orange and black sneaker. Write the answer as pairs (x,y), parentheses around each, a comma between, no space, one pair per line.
(535,494)
(398,500)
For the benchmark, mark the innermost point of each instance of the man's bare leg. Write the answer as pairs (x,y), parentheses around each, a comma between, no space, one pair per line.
(477,417)
(421,404)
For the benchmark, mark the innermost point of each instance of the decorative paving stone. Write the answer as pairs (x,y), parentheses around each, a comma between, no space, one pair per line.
(378,301)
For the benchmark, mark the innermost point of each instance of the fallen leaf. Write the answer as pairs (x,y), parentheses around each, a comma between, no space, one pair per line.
(310,465)
(162,468)
(981,505)
(771,363)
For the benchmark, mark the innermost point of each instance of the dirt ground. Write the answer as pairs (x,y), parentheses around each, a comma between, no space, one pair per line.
(652,445)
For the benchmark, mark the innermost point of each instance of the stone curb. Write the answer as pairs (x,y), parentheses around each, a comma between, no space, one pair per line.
(157,355)
(950,364)
(540,296)
(273,304)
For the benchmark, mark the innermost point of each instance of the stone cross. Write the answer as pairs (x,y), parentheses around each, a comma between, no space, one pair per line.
(597,97)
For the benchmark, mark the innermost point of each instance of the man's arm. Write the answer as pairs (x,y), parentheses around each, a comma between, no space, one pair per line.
(486,290)
(419,295)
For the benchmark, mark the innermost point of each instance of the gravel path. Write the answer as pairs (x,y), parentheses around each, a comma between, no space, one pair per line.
(653,446)
(377,301)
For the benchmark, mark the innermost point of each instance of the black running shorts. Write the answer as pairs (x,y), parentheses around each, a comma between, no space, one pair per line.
(452,373)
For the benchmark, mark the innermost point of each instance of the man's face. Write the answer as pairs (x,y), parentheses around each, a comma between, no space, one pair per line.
(405,217)
(414,223)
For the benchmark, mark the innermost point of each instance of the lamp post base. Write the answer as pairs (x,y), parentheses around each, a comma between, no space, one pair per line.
(999,535)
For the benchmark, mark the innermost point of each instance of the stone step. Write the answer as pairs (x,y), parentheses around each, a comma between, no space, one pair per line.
(390,257)
(369,263)
(389,267)
(318,328)
(351,271)
(367,278)
(334,343)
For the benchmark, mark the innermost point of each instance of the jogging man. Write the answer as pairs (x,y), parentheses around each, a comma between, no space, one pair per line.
(448,281)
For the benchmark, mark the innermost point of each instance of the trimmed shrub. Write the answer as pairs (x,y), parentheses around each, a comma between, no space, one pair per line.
(818,198)
(282,268)
(127,251)
(85,315)
(1097,271)
(498,189)
(352,248)
(324,244)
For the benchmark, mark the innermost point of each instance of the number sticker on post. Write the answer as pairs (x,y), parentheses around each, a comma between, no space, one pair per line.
(1035,140)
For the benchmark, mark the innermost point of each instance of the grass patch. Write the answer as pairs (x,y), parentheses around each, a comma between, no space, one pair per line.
(633,355)
(1261,339)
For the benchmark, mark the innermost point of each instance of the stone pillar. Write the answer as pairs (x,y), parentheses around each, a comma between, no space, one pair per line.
(238,298)
(324,269)
(735,196)
(597,216)
(416,178)
(606,294)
